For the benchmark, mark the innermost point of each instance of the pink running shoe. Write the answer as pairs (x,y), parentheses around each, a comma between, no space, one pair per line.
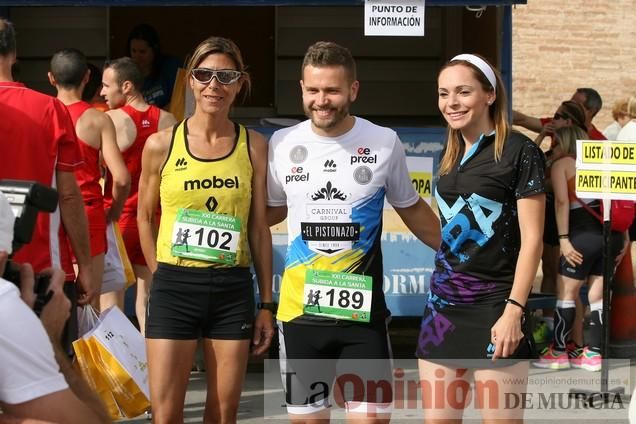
(588,360)
(573,350)
(552,359)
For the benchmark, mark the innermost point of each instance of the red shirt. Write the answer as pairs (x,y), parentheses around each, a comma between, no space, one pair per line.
(595,134)
(147,123)
(89,174)
(37,138)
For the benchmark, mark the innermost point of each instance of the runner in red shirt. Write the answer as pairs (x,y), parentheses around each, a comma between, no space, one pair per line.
(96,133)
(586,97)
(592,104)
(38,144)
(135,121)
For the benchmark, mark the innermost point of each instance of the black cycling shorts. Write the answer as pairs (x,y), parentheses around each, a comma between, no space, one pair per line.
(355,356)
(187,303)
(586,236)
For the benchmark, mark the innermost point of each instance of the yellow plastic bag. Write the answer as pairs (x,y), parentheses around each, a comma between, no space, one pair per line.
(117,351)
(92,373)
(118,271)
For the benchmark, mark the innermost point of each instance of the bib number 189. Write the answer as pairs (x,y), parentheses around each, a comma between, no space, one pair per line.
(338,295)
(345,298)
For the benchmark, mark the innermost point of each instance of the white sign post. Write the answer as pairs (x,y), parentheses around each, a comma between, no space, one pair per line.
(394,18)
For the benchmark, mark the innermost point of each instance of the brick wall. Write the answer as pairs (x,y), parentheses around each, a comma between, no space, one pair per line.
(561,45)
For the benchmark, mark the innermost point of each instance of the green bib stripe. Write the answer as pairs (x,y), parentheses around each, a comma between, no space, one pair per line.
(219,186)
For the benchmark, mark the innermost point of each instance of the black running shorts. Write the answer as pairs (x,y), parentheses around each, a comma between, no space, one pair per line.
(586,236)
(186,303)
(355,356)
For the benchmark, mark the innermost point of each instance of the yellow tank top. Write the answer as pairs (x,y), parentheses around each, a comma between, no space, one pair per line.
(205,205)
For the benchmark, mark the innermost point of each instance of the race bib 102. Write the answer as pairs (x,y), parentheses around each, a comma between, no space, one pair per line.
(206,236)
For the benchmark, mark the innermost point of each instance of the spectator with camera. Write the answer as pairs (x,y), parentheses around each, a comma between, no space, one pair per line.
(38,143)
(37,381)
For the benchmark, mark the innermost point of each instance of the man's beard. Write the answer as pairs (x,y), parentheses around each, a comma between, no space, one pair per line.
(325,124)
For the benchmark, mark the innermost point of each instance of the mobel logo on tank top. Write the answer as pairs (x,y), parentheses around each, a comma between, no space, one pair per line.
(181,164)
(145,123)
(214,182)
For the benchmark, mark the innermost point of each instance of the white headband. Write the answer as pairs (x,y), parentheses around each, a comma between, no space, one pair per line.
(482,65)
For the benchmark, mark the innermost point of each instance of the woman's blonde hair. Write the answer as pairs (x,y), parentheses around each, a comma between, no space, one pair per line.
(567,136)
(620,109)
(498,112)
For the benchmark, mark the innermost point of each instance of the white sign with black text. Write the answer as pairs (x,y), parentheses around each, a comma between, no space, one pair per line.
(394,18)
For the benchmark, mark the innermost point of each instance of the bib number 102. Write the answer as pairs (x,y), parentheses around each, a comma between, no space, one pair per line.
(345,299)
(214,239)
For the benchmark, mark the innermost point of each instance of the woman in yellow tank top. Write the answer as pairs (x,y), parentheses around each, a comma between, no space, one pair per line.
(209,176)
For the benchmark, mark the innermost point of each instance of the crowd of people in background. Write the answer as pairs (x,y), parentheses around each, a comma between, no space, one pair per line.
(573,236)
(194,201)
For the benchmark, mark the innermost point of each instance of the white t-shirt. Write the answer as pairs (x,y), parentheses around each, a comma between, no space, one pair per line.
(28,369)
(612,130)
(628,132)
(334,190)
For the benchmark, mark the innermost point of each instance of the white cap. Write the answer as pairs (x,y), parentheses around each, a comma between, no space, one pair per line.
(7,220)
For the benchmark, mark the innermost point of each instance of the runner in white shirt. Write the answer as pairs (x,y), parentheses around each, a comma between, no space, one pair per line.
(329,176)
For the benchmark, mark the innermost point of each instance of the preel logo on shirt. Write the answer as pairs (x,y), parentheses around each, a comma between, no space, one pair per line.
(297,174)
(363,155)
(145,123)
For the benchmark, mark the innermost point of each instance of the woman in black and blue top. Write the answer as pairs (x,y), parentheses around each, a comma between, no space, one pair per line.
(491,200)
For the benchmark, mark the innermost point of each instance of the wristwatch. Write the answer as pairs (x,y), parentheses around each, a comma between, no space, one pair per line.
(270,306)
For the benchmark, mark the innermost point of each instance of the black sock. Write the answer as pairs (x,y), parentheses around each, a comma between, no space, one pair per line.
(563,323)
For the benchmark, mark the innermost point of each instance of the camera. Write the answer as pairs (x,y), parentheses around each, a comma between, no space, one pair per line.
(27,199)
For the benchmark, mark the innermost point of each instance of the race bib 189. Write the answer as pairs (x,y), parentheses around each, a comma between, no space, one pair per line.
(338,295)
(206,236)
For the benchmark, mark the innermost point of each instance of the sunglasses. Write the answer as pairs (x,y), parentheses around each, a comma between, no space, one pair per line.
(559,116)
(224,76)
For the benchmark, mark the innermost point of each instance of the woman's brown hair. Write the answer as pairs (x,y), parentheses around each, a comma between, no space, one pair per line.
(220,45)
(498,112)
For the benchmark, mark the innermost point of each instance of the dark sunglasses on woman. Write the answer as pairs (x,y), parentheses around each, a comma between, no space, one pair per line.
(224,76)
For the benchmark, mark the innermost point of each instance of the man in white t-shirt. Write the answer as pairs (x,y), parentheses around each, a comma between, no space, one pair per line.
(35,375)
(329,177)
